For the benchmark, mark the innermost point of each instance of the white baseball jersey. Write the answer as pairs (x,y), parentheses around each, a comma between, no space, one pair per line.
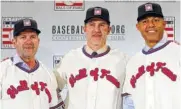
(22,89)
(153,78)
(93,82)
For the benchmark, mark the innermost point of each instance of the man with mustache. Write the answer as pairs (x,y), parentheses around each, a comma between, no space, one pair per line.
(94,73)
(25,83)
(154,74)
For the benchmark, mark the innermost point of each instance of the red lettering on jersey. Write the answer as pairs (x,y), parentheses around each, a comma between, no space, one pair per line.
(133,81)
(35,88)
(48,94)
(94,73)
(23,85)
(141,71)
(104,73)
(159,65)
(113,80)
(166,71)
(169,73)
(12,91)
(82,74)
(110,78)
(72,80)
(42,85)
(150,68)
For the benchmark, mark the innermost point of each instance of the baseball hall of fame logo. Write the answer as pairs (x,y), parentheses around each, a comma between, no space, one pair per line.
(72,5)
(7,31)
(170,27)
(57,60)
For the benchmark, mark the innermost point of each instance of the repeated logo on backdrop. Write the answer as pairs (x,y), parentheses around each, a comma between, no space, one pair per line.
(57,60)
(7,31)
(70,5)
(76,33)
(170,27)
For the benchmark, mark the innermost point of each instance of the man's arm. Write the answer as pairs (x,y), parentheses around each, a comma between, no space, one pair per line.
(126,96)
(60,74)
(60,80)
(57,102)
(0,87)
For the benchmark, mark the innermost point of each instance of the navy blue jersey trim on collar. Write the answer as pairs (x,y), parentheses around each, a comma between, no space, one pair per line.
(28,71)
(156,49)
(98,55)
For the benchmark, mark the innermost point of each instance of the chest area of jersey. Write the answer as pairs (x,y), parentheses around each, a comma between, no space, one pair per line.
(97,71)
(158,73)
(18,83)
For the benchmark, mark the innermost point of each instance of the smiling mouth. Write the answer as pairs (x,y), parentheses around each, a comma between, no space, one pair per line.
(29,48)
(151,31)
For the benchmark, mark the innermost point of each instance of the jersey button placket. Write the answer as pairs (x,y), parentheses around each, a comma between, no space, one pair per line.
(92,86)
(32,93)
(149,92)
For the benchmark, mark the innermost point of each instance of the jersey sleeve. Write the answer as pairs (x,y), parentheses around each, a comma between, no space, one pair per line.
(56,102)
(127,86)
(60,73)
(3,67)
(0,84)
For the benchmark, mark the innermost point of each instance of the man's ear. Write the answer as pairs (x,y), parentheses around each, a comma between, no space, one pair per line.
(84,28)
(138,26)
(109,30)
(38,40)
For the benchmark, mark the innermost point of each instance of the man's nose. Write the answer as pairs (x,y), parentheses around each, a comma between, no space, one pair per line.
(97,28)
(151,24)
(28,40)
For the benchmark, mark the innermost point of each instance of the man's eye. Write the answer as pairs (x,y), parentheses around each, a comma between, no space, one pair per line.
(22,37)
(156,20)
(32,37)
(91,24)
(144,21)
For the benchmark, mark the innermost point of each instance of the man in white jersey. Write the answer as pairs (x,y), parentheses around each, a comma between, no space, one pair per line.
(153,74)
(94,73)
(24,81)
